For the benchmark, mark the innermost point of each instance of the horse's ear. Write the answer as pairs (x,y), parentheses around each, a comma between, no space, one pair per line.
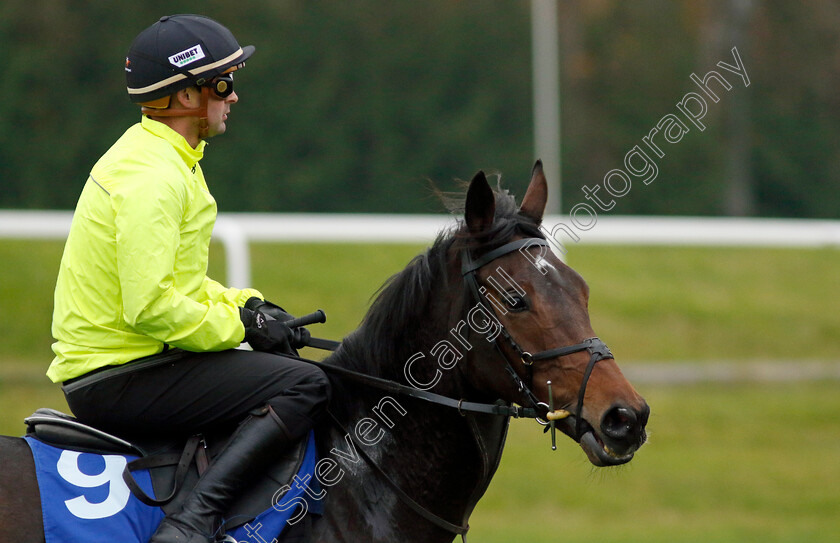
(480,207)
(533,204)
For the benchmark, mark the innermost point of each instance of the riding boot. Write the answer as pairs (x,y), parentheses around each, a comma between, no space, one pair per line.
(259,440)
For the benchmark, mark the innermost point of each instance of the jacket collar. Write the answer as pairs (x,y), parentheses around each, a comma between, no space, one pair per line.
(188,154)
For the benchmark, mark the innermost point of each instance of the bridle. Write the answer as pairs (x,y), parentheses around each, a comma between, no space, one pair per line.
(597,349)
(531,407)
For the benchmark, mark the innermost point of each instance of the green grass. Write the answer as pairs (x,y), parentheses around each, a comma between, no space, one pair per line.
(647,303)
(27,278)
(724,463)
(689,303)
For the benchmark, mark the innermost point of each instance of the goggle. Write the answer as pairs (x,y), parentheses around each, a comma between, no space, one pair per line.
(221,85)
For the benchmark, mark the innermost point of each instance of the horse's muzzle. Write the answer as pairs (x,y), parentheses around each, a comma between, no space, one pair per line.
(621,433)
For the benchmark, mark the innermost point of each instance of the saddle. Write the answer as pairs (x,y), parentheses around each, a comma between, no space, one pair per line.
(174,465)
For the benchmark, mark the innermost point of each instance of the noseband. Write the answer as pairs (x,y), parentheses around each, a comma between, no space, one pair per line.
(596,348)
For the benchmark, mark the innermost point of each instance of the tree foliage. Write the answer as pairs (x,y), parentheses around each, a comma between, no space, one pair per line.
(357,106)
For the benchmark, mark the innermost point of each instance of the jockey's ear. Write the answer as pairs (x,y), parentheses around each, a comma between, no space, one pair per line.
(480,207)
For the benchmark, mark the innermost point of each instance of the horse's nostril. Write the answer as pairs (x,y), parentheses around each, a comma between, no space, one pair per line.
(644,415)
(621,423)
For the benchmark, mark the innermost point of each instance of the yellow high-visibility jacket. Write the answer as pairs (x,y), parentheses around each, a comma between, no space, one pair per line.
(133,274)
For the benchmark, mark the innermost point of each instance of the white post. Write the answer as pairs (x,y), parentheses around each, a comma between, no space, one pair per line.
(546,76)
(237,254)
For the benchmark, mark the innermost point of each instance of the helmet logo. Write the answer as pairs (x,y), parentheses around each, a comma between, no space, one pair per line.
(127,65)
(187,56)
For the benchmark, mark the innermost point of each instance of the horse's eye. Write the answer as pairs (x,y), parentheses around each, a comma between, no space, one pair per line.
(515,301)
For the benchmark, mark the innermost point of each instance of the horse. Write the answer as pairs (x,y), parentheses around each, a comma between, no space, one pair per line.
(485,325)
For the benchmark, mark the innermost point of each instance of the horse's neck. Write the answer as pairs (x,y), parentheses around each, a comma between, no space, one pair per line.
(442,460)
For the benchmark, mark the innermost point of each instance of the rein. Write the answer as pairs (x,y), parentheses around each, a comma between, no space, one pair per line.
(463,407)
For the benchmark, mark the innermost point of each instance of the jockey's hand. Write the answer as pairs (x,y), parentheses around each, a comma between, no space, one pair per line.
(272,310)
(300,337)
(266,334)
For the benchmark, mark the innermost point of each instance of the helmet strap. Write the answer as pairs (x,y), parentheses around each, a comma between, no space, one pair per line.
(203,123)
(200,112)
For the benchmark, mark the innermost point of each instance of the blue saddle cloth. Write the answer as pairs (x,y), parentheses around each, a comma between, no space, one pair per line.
(85,500)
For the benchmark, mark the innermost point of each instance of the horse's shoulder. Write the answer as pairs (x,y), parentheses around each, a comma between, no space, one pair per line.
(19,495)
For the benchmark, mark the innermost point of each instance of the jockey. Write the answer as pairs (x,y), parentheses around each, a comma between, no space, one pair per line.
(132,286)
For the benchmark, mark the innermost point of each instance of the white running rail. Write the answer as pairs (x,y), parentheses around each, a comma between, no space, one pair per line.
(236,230)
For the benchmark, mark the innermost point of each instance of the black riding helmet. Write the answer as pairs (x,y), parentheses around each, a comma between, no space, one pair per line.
(177,52)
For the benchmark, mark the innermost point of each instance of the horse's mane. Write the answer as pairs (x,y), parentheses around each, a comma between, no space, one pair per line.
(399,319)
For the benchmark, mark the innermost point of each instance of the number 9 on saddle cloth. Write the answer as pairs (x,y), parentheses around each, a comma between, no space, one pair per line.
(85,497)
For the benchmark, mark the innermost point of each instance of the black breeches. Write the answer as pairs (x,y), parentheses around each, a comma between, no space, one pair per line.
(203,391)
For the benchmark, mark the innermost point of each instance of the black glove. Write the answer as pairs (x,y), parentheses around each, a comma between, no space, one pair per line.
(266,334)
(300,336)
(274,311)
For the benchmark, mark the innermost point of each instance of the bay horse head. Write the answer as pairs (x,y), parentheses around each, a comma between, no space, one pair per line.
(543,352)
